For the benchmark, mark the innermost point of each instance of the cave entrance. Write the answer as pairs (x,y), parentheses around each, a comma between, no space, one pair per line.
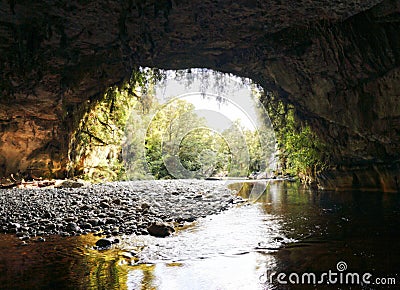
(193,123)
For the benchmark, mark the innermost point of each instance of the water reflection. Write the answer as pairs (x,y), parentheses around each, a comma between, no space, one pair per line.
(288,228)
(225,251)
(58,263)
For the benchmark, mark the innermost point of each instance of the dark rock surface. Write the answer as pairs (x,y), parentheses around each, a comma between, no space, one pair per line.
(103,243)
(337,62)
(160,229)
(74,211)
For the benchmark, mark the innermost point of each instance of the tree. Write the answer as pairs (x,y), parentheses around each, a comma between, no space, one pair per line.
(169,126)
(301,152)
(96,145)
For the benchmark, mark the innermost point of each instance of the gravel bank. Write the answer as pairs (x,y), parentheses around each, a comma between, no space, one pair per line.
(111,208)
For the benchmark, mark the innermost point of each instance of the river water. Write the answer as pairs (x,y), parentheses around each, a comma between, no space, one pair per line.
(287,230)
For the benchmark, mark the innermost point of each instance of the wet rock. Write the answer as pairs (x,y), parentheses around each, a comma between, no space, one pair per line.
(87,226)
(116,201)
(111,221)
(72,227)
(101,222)
(144,206)
(97,229)
(50,227)
(93,222)
(71,219)
(14,226)
(104,243)
(189,218)
(142,232)
(47,215)
(160,229)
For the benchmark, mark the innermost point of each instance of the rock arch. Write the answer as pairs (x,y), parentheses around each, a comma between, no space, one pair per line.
(337,62)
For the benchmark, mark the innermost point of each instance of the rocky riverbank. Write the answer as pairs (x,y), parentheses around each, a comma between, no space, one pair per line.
(111,208)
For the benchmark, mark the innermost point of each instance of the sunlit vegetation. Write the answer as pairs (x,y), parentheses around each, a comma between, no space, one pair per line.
(177,131)
(128,134)
(96,143)
(179,145)
(300,151)
(169,126)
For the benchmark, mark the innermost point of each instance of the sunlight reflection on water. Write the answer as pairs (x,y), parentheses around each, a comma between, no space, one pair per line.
(230,250)
(214,273)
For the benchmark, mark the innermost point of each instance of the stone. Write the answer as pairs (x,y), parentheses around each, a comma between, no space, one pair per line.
(70,184)
(144,206)
(116,201)
(72,227)
(93,222)
(14,226)
(104,204)
(160,229)
(104,243)
(87,226)
(67,220)
(51,227)
(111,221)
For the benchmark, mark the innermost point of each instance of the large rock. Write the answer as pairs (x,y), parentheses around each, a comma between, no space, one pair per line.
(160,229)
(336,61)
(104,244)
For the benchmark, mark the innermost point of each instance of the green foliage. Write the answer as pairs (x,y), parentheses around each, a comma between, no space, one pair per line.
(98,138)
(97,142)
(301,152)
(204,151)
(305,152)
(175,134)
(235,135)
(170,125)
(128,134)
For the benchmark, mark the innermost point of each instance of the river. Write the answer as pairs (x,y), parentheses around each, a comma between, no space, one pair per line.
(284,232)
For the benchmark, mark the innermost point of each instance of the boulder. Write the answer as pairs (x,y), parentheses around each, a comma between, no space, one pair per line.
(160,229)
